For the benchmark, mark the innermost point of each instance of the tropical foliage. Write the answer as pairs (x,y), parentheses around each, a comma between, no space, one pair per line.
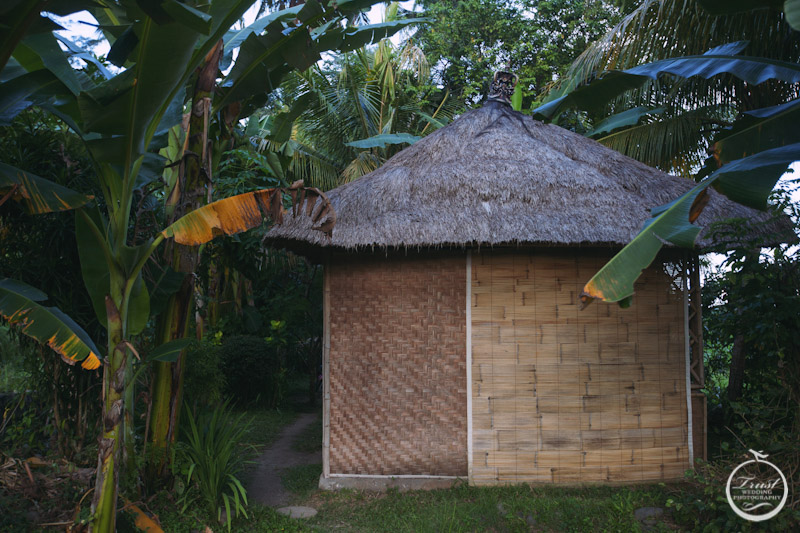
(350,114)
(537,39)
(749,155)
(121,118)
(669,116)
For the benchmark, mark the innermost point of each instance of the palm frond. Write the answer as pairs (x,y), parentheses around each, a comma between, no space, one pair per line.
(676,144)
(659,29)
(364,163)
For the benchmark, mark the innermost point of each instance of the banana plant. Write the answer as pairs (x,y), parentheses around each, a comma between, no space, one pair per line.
(121,119)
(748,160)
(218,104)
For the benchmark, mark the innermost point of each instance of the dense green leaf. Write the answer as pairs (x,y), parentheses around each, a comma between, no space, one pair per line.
(188,16)
(792,10)
(138,307)
(592,96)
(21,92)
(41,50)
(38,194)
(753,70)
(749,181)
(48,325)
(169,351)
(15,22)
(265,59)
(282,123)
(162,286)
(358,36)
(130,105)
(77,52)
(122,47)
(630,117)
(94,254)
(234,38)
(380,141)
(759,130)
(726,7)
(516,98)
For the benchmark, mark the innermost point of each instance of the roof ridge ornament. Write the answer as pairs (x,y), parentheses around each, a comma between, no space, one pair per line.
(502,86)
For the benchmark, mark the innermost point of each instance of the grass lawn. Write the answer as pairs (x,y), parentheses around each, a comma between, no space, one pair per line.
(512,508)
(518,508)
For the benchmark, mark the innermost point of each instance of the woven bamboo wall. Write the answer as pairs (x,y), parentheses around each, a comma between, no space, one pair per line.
(398,365)
(563,395)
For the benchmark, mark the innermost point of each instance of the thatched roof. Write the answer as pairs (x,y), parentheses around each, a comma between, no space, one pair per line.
(498,177)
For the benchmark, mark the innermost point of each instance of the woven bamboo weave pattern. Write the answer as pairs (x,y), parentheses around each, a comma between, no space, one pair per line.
(398,365)
(563,395)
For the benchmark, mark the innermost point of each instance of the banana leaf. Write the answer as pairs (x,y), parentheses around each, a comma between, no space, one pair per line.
(38,194)
(748,181)
(19,305)
(380,141)
(719,60)
(759,130)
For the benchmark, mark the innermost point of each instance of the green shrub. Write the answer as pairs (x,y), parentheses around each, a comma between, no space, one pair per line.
(204,380)
(13,374)
(212,457)
(253,370)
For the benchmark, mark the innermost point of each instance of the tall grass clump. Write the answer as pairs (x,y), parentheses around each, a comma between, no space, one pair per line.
(211,458)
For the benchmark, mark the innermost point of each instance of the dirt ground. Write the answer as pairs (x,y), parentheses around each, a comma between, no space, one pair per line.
(264,485)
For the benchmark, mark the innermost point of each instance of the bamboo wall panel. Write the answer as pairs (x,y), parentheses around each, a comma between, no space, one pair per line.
(564,395)
(398,366)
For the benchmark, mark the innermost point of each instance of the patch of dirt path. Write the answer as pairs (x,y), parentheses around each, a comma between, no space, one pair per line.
(264,484)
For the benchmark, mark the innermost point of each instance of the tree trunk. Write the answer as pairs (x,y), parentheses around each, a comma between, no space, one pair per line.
(174,322)
(738,351)
(736,373)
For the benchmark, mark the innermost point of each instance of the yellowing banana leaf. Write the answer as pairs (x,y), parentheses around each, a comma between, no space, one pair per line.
(38,194)
(48,325)
(224,217)
(747,181)
(245,211)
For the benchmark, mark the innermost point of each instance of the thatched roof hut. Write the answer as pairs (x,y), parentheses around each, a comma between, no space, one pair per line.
(454,344)
(498,177)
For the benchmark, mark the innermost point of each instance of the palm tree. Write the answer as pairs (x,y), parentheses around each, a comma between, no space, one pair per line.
(350,115)
(695,95)
(670,122)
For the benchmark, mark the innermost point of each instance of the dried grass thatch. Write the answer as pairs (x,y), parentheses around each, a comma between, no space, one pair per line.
(498,177)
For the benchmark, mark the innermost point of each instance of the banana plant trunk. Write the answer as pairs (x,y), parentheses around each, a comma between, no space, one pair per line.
(173,323)
(104,502)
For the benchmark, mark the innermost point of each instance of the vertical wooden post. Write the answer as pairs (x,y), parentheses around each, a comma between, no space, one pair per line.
(469,365)
(326,380)
(696,369)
